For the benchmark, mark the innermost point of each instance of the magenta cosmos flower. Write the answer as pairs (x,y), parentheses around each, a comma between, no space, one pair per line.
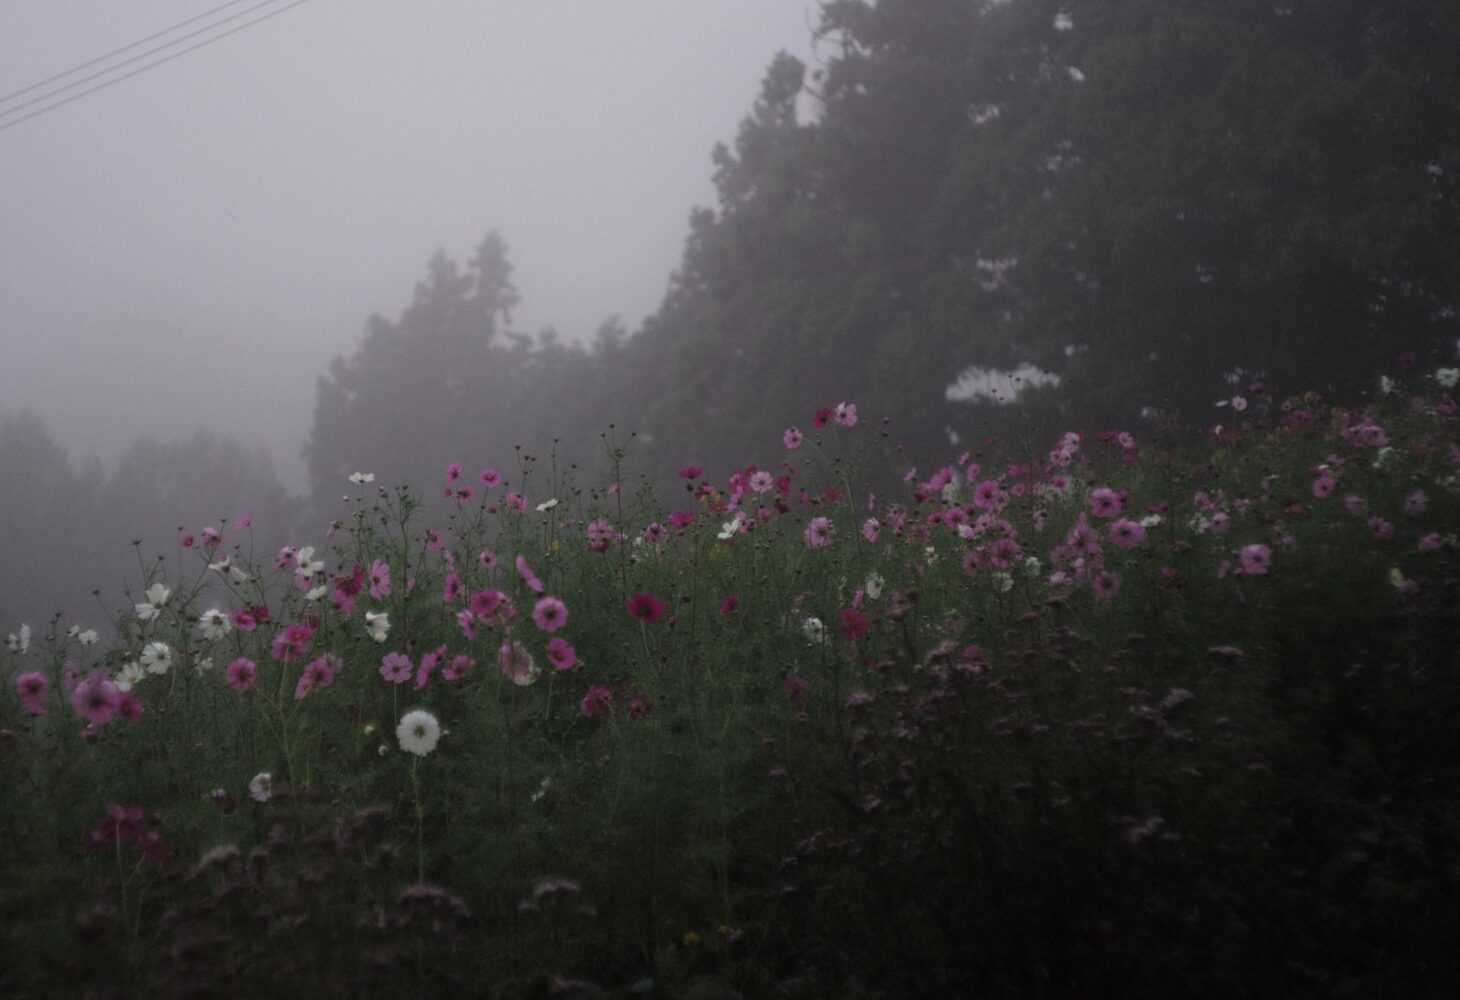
(1104,502)
(242,673)
(596,700)
(291,642)
(561,654)
(645,607)
(550,614)
(1126,534)
(32,689)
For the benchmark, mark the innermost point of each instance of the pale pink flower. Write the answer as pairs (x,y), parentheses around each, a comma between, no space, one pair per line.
(792,438)
(96,700)
(818,533)
(395,667)
(597,700)
(870,530)
(517,664)
(846,414)
(1104,502)
(32,689)
(1255,558)
(379,580)
(1105,584)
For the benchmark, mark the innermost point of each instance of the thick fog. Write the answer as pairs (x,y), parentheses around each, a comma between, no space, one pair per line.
(190,247)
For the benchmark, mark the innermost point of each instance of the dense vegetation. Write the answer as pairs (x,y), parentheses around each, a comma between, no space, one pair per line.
(1113,718)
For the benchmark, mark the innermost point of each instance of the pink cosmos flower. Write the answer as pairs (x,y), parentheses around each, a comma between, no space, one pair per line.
(818,533)
(870,530)
(645,607)
(691,472)
(516,502)
(450,588)
(656,534)
(792,438)
(601,534)
(550,614)
(318,673)
(794,687)
(129,707)
(1104,502)
(242,673)
(487,559)
(428,665)
(822,416)
(489,478)
(1255,558)
(1428,543)
(1380,528)
(290,643)
(96,700)
(395,667)
(453,473)
(1324,484)
(846,414)
(528,576)
(989,495)
(1083,539)
(1004,553)
(597,700)
(1417,502)
(762,482)
(1105,584)
(729,604)
(561,654)
(459,667)
(466,622)
(379,580)
(32,689)
(1126,534)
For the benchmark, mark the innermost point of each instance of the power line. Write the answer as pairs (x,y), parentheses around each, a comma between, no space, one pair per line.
(116,52)
(144,68)
(129,61)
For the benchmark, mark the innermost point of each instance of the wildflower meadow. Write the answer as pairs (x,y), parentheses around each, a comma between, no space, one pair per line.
(1115,714)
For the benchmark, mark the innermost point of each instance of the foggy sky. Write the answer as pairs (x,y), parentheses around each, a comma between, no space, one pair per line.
(191,246)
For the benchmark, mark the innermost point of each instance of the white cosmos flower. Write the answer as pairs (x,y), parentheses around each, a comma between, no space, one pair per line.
(361,478)
(1151,520)
(261,788)
(1032,567)
(418,732)
(132,674)
(1386,384)
(157,596)
(305,562)
(19,643)
(814,630)
(156,657)
(378,624)
(874,585)
(88,637)
(547,505)
(1003,582)
(214,624)
(317,593)
(729,529)
(203,664)
(1447,377)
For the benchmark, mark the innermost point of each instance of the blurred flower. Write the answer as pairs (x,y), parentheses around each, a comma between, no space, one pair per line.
(378,623)
(261,788)
(214,624)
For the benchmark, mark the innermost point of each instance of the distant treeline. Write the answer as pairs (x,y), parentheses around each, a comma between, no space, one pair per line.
(1137,198)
